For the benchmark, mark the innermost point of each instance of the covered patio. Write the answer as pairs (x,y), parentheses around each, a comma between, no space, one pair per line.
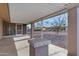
(28,14)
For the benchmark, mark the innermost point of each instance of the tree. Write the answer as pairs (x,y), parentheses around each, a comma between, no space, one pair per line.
(59,23)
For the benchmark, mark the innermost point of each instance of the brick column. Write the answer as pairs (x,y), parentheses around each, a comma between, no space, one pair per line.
(72,31)
(32,29)
(78,31)
(1,28)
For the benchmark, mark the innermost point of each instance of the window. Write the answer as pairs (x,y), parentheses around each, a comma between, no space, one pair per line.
(19,29)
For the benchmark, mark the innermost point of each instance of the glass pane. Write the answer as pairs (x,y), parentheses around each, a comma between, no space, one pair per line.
(19,29)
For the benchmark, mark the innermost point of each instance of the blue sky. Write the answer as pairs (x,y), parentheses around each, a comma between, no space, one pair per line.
(47,22)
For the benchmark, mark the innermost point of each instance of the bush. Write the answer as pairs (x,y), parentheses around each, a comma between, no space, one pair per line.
(37,29)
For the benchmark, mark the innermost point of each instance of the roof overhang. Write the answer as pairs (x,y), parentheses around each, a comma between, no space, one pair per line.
(28,12)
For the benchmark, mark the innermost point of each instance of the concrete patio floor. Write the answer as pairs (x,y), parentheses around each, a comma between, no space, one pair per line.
(23,49)
(19,46)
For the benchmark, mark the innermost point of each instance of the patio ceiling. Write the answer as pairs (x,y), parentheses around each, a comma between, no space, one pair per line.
(27,12)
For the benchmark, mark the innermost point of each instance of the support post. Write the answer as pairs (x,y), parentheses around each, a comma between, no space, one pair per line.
(32,29)
(1,28)
(72,31)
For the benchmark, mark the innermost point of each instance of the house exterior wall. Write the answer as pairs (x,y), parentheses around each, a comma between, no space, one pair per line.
(13,28)
(8,28)
(4,12)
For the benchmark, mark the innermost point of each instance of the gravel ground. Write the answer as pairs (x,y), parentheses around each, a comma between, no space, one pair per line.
(59,40)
